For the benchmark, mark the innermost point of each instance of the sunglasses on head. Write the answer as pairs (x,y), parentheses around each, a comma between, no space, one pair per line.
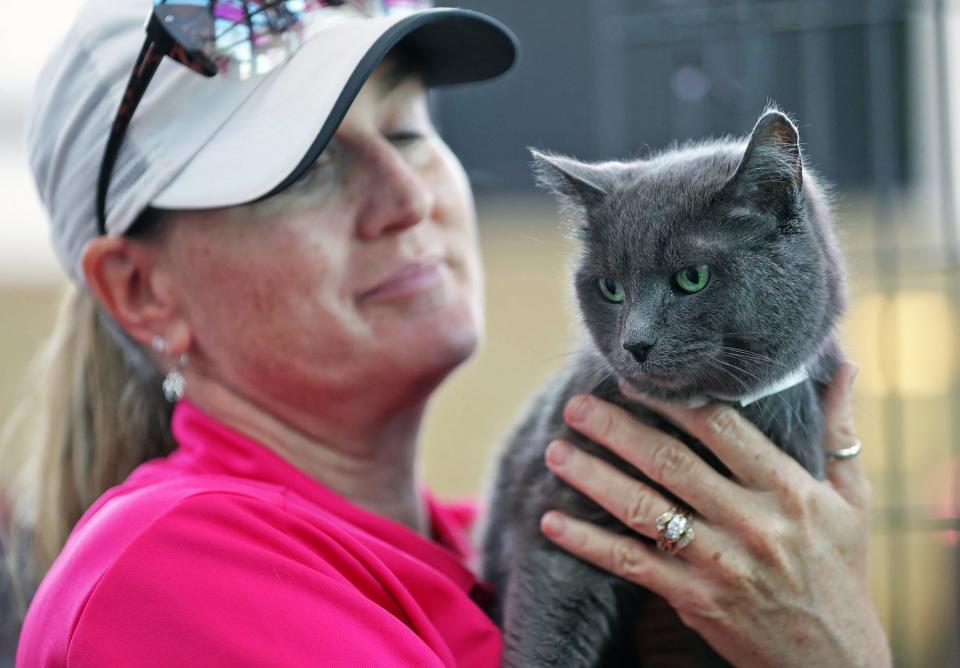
(234,38)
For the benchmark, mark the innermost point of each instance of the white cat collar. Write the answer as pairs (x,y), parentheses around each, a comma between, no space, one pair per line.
(785,383)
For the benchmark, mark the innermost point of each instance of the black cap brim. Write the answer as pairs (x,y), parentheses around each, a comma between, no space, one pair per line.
(447,46)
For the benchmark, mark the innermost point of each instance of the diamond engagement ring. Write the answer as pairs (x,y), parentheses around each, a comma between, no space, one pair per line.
(846,453)
(675,528)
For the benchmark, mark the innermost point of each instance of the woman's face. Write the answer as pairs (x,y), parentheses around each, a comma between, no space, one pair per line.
(361,279)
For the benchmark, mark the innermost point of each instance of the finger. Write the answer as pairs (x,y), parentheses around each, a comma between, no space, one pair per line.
(634,503)
(752,458)
(848,476)
(662,458)
(621,555)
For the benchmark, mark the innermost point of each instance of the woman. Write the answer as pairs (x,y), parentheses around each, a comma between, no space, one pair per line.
(279,519)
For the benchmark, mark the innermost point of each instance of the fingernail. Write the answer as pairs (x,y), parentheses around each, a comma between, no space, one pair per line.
(552,524)
(578,408)
(558,452)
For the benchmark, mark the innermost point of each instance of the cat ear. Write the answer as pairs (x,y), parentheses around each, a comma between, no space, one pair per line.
(771,169)
(575,182)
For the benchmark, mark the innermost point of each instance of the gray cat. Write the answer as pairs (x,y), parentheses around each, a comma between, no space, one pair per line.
(706,272)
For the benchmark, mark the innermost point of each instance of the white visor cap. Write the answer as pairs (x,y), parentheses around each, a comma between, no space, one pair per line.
(197,142)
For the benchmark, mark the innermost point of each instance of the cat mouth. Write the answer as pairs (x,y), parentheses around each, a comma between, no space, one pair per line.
(658,379)
(666,385)
(663,381)
(664,390)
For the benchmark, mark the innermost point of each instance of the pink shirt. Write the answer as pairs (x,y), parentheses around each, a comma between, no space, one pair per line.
(224,554)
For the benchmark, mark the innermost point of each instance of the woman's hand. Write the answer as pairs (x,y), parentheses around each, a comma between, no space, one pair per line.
(777,572)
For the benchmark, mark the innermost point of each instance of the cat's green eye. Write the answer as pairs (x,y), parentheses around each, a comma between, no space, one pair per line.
(692,279)
(611,290)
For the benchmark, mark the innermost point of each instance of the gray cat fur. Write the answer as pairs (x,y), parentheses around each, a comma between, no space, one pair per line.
(756,215)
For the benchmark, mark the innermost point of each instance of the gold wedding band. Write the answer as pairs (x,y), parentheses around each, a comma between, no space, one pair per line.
(675,530)
(846,453)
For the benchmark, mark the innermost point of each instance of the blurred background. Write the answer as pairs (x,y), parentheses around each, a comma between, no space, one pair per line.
(875,86)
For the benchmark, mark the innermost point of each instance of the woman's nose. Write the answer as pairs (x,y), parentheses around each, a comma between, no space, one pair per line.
(394,195)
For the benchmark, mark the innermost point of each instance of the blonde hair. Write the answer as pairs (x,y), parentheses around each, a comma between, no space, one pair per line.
(94,413)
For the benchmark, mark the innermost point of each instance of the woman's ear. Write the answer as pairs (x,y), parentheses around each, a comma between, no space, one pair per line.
(129,279)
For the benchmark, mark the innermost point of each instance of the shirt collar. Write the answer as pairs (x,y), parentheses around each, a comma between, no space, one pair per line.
(208,446)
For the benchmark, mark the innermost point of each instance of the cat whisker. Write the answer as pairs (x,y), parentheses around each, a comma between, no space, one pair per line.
(761,405)
(736,368)
(741,348)
(750,354)
(569,353)
(794,413)
(792,410)
(746,354)
(746,357)
(763,411)
(725,372)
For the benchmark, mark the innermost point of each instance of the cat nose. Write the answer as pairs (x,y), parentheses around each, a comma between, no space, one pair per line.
(639,349)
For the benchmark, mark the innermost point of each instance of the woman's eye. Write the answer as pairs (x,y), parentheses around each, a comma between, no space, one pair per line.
(692,279)
(611,290)
(404,138)
(321,164)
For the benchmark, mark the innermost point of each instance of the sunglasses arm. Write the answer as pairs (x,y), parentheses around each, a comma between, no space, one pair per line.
(154,49)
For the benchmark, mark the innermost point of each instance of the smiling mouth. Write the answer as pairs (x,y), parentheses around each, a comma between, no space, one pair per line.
(410,279)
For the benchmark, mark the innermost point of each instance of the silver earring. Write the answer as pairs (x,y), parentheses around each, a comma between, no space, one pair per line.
(159,344)
(174,384)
